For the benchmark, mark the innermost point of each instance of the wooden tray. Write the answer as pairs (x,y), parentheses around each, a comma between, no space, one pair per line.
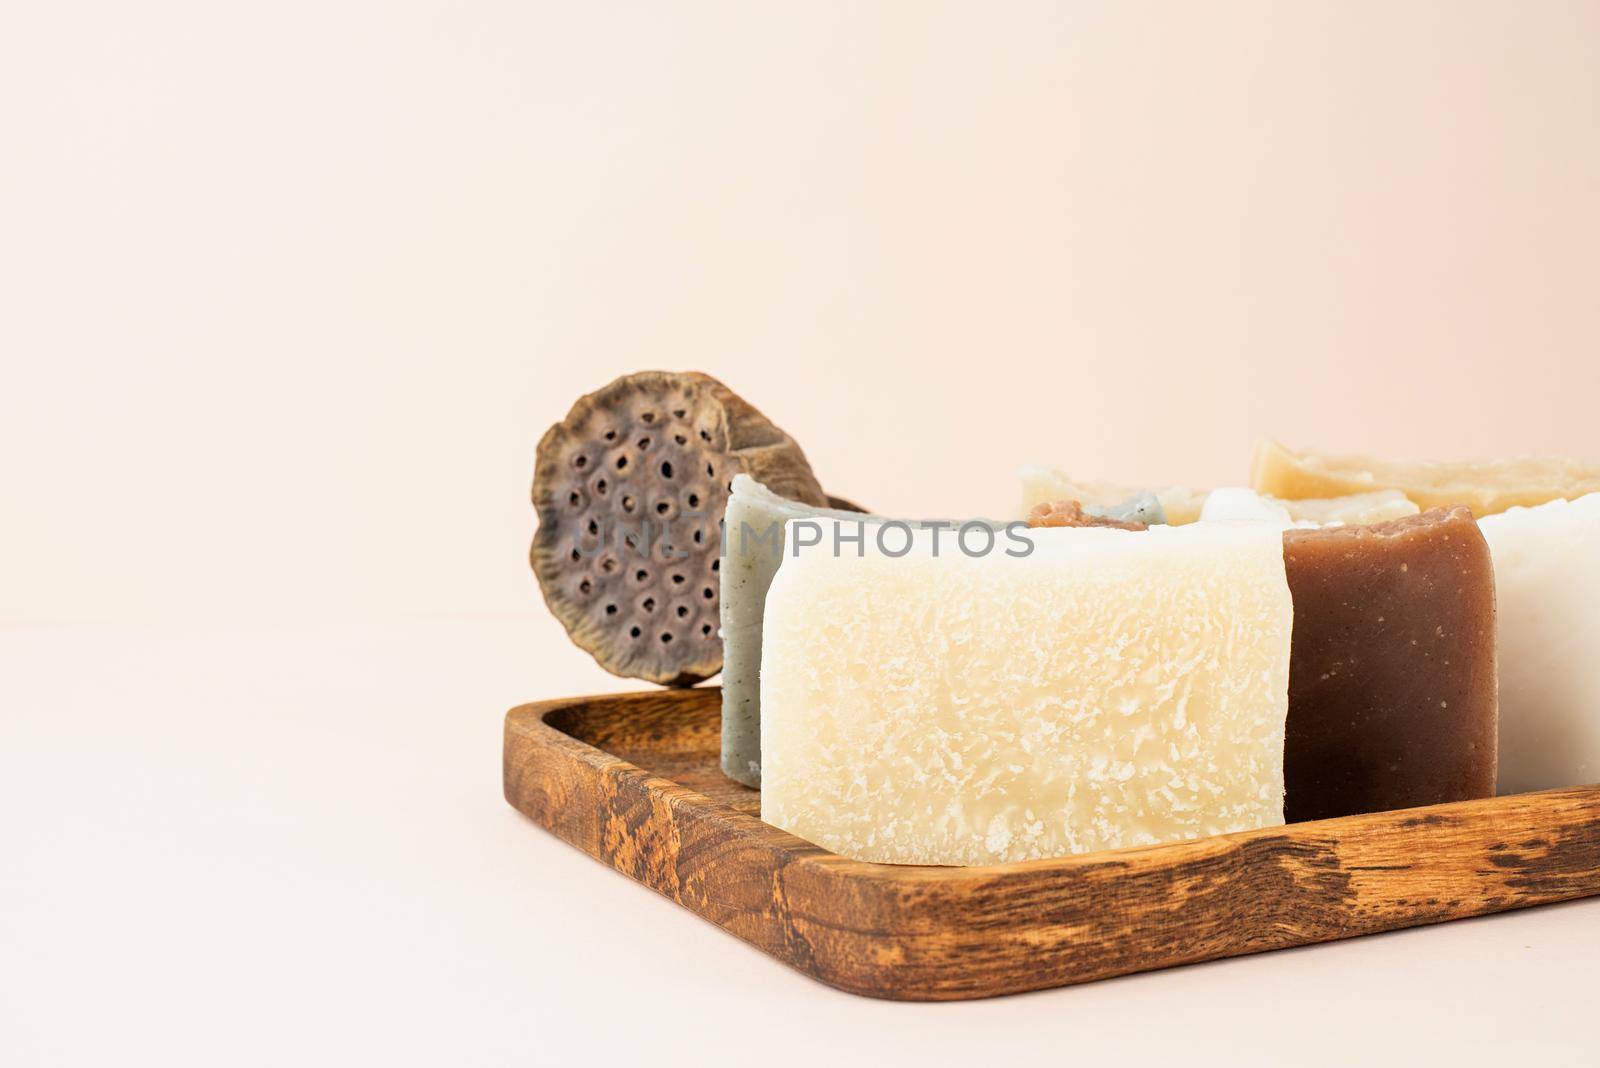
(633,781)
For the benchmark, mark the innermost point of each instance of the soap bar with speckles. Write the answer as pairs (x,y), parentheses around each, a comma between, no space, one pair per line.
(1110,688)
(1392,699)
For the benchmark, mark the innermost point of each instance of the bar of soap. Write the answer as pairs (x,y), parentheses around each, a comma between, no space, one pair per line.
(1547,572)
(1233,504)
(1392,684)
(1044,485)
(1110,688)
(1073,514)
(1392,680)
(755,529)
(755,524)
(1143,507)
(1177,505)
(1486,486)
(1356,508)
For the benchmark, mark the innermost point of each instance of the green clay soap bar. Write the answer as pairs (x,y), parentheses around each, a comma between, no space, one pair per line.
(1142,507)
(755,525)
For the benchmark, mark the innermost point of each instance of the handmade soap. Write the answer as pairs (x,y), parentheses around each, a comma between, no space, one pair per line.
(1375,507)
(1486,486)
(1176,505)
(754,526)
(1110,688)
(1073,514)
(1143,508)
(1391,688)
(1547,573)
(1043,485)
(1234,504)
(1392,676)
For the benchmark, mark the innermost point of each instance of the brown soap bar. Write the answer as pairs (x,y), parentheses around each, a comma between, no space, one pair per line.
(1392,689)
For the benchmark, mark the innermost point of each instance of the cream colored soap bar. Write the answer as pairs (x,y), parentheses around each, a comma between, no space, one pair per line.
(1111,688)
(1485,486)
(1043,485)
(1547,584)
(755,527)
(1355,509)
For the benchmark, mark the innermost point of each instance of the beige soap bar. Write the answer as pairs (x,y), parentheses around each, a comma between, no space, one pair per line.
(1355,509)
(1485,486)
(1043,485)
(1111,688)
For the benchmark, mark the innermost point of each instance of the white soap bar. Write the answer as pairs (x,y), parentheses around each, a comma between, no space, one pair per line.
(1236,503)
(1547,588)
(1111,688)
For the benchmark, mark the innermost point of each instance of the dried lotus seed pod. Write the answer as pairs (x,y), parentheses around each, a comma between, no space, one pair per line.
(630,489)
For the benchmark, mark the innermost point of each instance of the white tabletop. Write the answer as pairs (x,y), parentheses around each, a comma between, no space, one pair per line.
(289,846)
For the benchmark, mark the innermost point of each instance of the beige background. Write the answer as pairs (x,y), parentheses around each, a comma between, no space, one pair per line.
(290,291)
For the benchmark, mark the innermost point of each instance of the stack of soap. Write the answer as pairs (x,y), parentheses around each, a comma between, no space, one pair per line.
(1110,688)
(1179,505)
(1539,517)
(1392,679)
(1392,682)
(1547,573)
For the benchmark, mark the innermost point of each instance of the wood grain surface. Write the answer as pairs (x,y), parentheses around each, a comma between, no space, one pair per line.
(633,781)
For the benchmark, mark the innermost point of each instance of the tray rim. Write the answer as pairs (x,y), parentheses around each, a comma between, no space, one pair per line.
(844,887)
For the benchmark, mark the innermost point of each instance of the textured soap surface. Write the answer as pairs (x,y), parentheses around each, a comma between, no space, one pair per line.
(1392,698)
(1112,688)
(1547,574)
(1392,680)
